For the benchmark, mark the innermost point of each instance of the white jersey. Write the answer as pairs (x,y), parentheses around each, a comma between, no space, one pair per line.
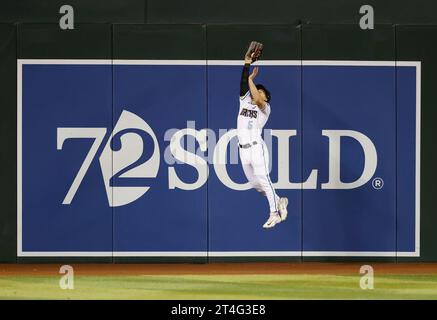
(251,120)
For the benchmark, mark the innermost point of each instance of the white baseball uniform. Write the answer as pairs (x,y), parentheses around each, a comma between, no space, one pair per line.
(253,151)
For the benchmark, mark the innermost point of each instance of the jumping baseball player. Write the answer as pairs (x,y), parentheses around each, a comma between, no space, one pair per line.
(252,116)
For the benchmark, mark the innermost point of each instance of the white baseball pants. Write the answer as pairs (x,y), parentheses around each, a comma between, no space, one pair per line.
(255,162)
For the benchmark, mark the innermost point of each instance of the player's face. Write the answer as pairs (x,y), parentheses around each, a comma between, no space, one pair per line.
(263,94)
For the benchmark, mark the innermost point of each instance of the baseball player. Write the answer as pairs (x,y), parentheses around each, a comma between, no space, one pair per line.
(252,116)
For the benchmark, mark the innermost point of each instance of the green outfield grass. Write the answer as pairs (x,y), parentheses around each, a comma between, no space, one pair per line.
(219,287)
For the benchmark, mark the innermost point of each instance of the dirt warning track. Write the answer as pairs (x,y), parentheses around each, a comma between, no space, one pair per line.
(218,268)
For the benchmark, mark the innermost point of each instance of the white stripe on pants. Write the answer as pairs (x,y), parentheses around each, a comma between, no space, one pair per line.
(255,162)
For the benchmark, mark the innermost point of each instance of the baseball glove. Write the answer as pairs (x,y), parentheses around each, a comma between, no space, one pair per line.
(254,51)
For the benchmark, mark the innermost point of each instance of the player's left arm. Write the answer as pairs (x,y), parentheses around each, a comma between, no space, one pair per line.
(254,91)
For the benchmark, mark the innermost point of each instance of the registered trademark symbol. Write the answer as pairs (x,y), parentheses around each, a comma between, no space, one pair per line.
(377,183)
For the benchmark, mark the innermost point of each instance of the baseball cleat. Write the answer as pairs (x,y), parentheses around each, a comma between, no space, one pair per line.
(272,221)
(283,203)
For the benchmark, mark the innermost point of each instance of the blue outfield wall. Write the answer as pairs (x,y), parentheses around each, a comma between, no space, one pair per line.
(103,168)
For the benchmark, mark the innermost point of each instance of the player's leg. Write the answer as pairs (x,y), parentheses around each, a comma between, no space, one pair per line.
(263,177)
(260,164)
(282,202)
(263,180)
(245,158)
(250,175)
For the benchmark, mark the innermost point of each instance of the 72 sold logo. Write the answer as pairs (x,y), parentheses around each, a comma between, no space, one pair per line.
(123,163)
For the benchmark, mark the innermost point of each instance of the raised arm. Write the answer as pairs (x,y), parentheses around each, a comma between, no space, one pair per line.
(244,83)
(254,91)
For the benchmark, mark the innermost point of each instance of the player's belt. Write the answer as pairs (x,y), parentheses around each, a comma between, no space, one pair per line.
(247,145)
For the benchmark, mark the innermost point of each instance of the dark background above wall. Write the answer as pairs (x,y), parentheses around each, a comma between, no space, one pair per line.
(221,11)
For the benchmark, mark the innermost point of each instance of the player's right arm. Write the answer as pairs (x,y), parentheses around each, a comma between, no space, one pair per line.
(254,91)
